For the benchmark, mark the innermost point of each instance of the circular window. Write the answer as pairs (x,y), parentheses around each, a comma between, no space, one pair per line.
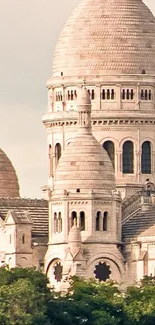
(102,271)
(57,271)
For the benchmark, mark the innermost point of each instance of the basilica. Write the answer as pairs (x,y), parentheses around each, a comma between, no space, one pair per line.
(98,218)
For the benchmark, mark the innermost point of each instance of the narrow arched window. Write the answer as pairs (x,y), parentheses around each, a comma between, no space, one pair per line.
(112,94)
(150,95)
(142,94)
(103,94)
(108,94)
(82,221)
(55,222)
(98,220)
(73,218)
(146,158)
(57,152)
(123,94)
(132,94)
(110,148)
(128,157)
(146,94)
(59,222)
(128,94)
(105,221)
(93,94)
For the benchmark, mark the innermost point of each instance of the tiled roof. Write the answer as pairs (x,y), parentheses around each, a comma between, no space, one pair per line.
(38,211)
(139,223)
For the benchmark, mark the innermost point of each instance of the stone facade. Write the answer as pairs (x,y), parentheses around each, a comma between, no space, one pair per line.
(108,47)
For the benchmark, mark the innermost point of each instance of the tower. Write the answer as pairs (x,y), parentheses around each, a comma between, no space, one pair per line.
(115,58)
(84,209)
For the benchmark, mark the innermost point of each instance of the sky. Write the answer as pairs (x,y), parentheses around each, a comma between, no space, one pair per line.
(28,33)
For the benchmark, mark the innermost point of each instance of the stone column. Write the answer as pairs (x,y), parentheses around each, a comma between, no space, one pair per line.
(64,98)
(118,96)
(98,97)
(50,99)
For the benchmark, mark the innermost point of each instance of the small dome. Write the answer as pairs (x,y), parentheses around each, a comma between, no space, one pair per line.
(84,164)
(9,186)
(85,97)
(105,37)
(74,235)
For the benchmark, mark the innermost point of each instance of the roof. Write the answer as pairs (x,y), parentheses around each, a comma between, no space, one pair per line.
(9,186)
(142,222)
(19,217)
(106,38)
(37,209)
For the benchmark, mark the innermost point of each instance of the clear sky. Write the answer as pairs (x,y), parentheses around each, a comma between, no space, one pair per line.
(28,33)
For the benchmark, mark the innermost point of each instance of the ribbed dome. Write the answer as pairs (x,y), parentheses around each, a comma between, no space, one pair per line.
(84,165)
(105,37)
(9,186)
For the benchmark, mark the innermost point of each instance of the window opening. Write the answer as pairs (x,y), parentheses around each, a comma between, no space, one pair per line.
(108,94)
(73,217)
(132,94)
(146,94)
(93,94)
(103,94)
(105,221)
(102,271)
(112,94)
(110,148)
(57,152)
(146,158)
(128,157)
(128,94)
(82,220)
(98,217)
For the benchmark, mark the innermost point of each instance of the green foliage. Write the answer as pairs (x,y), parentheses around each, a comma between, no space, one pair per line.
(25,299)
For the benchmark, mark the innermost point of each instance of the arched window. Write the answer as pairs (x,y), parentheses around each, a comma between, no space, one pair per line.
(110,148)
(108,94)
(82,220)
(103,94)
(146,158)
(128,157)
(55,222)
(98,218)
(105,221)
(59,222)
(57,152)
(73,216)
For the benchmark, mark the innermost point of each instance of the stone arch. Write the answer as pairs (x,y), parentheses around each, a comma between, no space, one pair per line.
(109,146)
(54,271)
(117,268)
(129,138)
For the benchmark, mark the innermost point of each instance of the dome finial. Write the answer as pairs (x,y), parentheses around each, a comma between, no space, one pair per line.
(84,110)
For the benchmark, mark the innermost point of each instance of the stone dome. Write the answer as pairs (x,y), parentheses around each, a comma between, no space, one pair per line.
(9,186)
(105,37)
(74,235)
(84,165)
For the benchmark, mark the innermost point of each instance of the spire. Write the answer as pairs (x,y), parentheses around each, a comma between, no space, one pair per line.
(84,111)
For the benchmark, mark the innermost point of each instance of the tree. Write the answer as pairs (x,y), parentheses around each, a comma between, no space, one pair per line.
(24,297)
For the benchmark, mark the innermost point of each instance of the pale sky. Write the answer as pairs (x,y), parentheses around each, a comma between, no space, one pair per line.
(28,33)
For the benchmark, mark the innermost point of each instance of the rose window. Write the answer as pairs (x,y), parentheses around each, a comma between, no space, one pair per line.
(102,271)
